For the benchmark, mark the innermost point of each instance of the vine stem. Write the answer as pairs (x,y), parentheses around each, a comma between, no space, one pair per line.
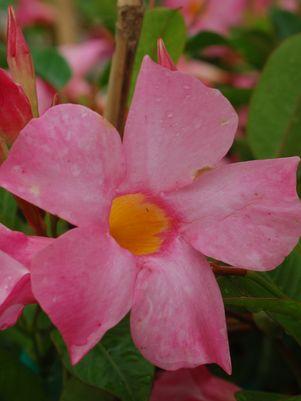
(128,27)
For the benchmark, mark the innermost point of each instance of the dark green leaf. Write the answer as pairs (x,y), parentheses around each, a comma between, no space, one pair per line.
(159,23)
(114,365)
(17,382)
(274,126)
(236,96)
(259,396)
(205,39)
(51,66)
(286,23)
(256,292)
(75,390)
(8,210)
(254,45)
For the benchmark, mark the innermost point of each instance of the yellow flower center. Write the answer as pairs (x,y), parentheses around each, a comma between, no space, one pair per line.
(138,224)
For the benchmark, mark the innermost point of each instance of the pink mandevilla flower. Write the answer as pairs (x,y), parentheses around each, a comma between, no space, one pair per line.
(16,253)
(192,385)
(82,58)
(147,210)
(212,15)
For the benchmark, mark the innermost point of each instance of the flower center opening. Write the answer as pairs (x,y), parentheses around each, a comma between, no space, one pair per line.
(138,224)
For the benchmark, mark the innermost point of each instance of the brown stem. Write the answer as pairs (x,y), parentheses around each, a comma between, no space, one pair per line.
(66,22)
(128,27)
(227,270)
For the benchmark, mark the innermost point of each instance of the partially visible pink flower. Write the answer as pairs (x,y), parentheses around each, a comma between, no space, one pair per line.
(212,15)
(16,253)
(31,12)
(82,58)
(146,212)
(192,385)
(206,72)
(261,6)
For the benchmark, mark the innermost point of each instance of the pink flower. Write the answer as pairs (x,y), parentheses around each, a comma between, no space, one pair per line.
(16,253)
(82,58)
(212,15)
(30,12)
(146,212)
(192,385)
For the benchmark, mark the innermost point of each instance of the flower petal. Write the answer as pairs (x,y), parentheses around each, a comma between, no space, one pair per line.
(15,291)
(192,384)
(84,281)
(176,125)
(67,162)
(245,214)
(21,247)
(15,110)
(178,315)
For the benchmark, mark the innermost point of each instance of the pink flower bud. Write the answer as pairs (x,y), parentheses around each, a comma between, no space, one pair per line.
(20,61)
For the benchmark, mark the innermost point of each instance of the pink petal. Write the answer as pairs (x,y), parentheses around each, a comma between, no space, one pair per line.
(246,214)
(15,109)
(176,125)
(178,315)
(45,93)
(30,12)
(192,385)
(15,291)
(84,56)
(16,252)
(213,15)
(68,162)
(84,281)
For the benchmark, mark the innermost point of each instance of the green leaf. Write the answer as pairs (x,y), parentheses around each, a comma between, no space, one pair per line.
(75,390)
(205,39)
(256,292)
(254,45)
(159,23)
(103,12)
(9,211)
(259,396)
(274,125)
(285,23)
(52,66)
(288,275)
(114,365)
(236,96)
(17,382)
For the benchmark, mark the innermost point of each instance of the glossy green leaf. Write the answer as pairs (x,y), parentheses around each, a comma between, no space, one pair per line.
(274,126)
(51,66)
(75,390)
(159,23)
(114,365)
(288,275)
(256,292)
